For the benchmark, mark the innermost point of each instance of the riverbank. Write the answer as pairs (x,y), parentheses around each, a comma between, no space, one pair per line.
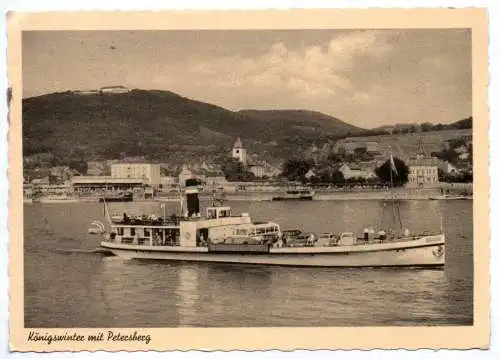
(340,195)
(320,195)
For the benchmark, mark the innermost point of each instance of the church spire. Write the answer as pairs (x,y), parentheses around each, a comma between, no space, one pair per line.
(420,149)
(238,143)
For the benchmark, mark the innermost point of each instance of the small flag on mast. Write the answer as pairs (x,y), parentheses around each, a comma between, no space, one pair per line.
(393,165)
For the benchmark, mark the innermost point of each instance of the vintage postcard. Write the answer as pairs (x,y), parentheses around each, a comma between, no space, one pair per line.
(306,179)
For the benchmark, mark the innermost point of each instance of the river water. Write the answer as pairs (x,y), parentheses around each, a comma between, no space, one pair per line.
(68,286)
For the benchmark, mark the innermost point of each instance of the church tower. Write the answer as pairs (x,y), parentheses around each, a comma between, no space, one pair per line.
(421,153)
(239,152)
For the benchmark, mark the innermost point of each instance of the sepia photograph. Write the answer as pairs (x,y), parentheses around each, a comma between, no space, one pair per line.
(270,178)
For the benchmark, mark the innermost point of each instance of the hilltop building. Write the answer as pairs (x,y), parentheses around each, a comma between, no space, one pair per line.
(86,92)
(423,169)
(114,89)
(239,152)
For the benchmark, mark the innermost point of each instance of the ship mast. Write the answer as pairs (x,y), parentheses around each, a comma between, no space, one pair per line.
(396,213)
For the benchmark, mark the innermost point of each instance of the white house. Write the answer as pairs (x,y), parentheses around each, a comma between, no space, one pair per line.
(310,174)
(168,181)
(150,172)
(354,171)
(257,170)
(114,89)
(423,172)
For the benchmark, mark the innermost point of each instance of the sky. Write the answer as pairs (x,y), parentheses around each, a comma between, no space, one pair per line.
(367,78)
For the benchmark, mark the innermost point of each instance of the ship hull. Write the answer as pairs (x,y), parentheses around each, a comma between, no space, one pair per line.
(303,198)
(112,199)
(423,252)
(49,200)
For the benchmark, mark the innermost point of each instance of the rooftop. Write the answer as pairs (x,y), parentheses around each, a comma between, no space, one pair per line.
(105,180)
(429,161)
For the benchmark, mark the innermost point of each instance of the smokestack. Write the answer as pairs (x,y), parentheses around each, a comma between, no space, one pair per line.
(193,203)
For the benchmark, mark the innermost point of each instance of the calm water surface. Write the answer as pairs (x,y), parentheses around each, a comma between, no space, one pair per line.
(67,287)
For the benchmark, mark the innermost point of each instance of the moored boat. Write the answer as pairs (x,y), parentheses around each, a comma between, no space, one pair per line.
(299,194)
(221,236)
(451,197)
(64,198)
(117,197)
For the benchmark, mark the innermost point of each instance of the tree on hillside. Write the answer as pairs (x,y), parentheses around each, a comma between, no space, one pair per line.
(235,171)
(400,178)
(426,127)
(335,158)
(448,155)
(322,176)
(295,168)
(337,177)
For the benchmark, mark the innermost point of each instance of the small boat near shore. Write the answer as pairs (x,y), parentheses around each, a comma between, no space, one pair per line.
(117,197)
(449,197)
(300,194)
(220,236)
(57,199)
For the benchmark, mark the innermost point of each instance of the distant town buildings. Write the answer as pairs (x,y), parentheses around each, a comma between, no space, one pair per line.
(167,182)
(462,152)
(149,172)
(260,169)
(422,169)
(86,184)
(257,170)
(97,168)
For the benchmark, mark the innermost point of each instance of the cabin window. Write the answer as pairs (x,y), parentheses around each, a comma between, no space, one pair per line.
(132,231)
(119,230)
(147,232)
(212,213)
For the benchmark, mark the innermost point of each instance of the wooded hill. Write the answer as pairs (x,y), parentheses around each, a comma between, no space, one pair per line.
(162,125)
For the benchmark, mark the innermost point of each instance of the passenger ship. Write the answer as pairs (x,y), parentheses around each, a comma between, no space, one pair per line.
(221,236)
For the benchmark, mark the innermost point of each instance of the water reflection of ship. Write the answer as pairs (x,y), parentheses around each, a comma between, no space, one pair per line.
(188,294)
